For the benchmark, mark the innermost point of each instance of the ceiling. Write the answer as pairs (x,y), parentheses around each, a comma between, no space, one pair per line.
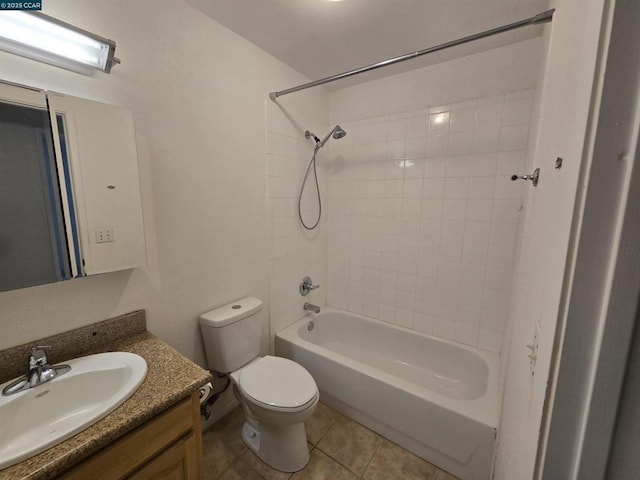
(319,38)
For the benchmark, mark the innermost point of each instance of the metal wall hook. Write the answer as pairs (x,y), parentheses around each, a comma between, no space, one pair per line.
(533,177)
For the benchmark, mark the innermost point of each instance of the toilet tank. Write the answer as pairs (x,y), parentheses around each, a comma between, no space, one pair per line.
(232,334)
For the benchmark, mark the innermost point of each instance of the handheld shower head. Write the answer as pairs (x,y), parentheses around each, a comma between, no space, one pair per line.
(337,132)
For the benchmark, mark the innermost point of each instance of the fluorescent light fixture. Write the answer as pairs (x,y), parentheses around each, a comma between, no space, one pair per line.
(46,39)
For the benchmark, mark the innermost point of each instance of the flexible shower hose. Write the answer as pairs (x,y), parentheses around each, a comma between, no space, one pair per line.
(304,182)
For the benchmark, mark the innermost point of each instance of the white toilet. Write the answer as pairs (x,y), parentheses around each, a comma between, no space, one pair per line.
(277,394)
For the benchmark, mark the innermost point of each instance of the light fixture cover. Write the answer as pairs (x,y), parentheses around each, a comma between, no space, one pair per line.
(46,39)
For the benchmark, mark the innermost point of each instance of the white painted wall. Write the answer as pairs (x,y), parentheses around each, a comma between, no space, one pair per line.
(198,94)
(602,310)
(564,114)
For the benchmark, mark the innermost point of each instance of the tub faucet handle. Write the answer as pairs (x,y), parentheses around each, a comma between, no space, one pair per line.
(306,286)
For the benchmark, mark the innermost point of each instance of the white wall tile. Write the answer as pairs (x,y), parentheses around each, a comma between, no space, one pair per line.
(514,138)
(435,167)
(466,334)
(417,126)
(461,143)
(463,120)
(483,164)
(438,123)
(511,162)
(415,147)
(500,278)
(488,116)
(439,109)
(424,217)
(452,230)
(468,315)
(458,166)
(477,232)
(444,328)
(481,187)
(486,140)
(517,112)
(437,146)
(454,209)
(480,209)
(404,318)
(414,168)
(489,340)
(456,188)
(423,322)
(432,208)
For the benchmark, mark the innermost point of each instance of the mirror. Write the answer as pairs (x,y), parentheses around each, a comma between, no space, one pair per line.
(69,188)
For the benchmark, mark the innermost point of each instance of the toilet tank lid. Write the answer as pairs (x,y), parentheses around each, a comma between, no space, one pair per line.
(231,313)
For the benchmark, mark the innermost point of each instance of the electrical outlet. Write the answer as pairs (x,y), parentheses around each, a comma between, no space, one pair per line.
(104,235)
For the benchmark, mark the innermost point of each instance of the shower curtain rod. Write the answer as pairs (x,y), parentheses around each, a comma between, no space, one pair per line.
(543,17)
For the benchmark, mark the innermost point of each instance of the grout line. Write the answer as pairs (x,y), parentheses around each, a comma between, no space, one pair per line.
(228,466)
(371,459)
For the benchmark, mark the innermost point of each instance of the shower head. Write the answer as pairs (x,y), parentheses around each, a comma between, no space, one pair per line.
(337,132)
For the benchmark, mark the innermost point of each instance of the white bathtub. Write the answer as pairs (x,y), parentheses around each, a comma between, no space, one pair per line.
(435,398)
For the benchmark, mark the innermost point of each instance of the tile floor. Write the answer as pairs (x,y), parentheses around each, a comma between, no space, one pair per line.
(341,449)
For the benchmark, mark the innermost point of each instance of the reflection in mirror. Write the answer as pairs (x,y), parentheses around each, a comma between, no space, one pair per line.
(33,245)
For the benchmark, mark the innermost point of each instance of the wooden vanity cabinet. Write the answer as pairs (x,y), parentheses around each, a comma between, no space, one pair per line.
(167,447)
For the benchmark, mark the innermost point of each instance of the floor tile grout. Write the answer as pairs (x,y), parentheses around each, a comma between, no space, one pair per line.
(227,441)
(371,460)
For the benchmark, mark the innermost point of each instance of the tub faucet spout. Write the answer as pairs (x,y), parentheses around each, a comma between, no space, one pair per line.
(312,307)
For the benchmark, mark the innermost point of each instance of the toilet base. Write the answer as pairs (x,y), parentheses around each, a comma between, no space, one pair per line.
(281,447)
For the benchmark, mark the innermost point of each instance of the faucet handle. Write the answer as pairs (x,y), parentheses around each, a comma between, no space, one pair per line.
(306,286)
(38,356)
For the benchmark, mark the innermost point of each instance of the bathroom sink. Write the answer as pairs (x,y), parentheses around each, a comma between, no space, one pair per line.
(42,416)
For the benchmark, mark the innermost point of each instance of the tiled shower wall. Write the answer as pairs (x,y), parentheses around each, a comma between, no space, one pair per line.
(294,251)
(423,216)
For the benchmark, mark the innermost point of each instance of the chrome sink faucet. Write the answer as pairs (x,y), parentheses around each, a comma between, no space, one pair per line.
(39,372)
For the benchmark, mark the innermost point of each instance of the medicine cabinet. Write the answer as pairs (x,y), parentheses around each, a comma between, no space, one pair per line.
(69,188)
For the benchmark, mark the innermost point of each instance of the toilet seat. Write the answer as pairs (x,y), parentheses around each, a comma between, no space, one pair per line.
(277,383)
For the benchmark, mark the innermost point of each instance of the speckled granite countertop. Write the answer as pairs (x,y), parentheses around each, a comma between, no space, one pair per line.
(170,378)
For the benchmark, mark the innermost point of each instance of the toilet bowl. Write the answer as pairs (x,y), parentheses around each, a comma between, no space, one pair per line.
(277,396)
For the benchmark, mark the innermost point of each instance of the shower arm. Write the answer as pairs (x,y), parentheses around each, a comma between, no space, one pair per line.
(324,140)
(543,17)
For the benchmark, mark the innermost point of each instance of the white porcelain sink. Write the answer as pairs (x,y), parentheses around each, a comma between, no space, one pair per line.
(37,418)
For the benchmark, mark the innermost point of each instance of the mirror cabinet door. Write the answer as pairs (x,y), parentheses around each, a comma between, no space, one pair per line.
(33,242)
(101,151)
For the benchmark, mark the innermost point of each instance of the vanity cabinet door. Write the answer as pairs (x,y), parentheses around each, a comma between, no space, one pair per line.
(165,448)
(178,462)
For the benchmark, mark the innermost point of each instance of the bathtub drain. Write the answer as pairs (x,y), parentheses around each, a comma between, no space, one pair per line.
(310,325)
